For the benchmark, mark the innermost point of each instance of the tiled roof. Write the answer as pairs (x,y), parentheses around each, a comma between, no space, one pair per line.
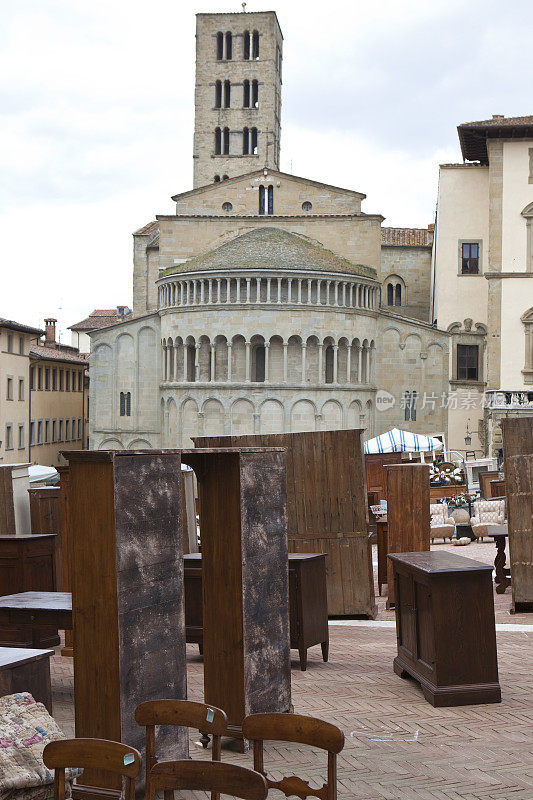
(261,248)
(18,326)
(407,237)
(44,353)
(473,135)
(150,227)
(99,318)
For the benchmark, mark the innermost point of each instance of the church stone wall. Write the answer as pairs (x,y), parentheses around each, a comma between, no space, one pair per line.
(413,266)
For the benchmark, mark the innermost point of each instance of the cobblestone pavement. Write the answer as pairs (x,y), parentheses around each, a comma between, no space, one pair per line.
(397,745)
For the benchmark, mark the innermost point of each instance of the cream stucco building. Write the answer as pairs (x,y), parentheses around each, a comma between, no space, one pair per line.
(483,278)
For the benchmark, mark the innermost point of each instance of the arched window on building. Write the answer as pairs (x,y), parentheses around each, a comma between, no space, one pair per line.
(218,141)
(220,46)
(128,404)
(217,178)
(245,142)
(246,45)
(261,199)
(270,199)
(218,94)
(255,45)
(390,294)
(122,404)
(329,363)
(398,294)
(258,363)
(225,177)
(255,94)
(229,46)
(190,352)
(254,142)
(227,94)
(226,141)
(246,94)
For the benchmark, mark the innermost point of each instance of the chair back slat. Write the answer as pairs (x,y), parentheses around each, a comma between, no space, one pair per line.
(185,713)
(294,728)
(206,776)
(93,754)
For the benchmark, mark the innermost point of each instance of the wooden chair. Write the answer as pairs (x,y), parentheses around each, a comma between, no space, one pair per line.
(209,720)
(302,730)
(207,776)
(92,754)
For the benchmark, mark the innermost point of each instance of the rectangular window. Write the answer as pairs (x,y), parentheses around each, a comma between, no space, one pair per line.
(40,378)
(467,362)
(54,430)
(9,342)
(67,381)
(9,436)
(47,431)
(21,388)
(60,380)
(470,258)
(32,371)
(60,430)
(47,379)
(79,428)
(9,391)
(54,379)
(21,437)
(67,430)
(39,431)
(32,432)
(80,374)
(21,345)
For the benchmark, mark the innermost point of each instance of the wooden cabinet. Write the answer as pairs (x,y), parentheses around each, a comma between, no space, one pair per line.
(308,612)
(28,564)
(376,476)
(23,670)
(445,627)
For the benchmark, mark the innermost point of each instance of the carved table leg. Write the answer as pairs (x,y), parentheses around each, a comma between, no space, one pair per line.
(501,579)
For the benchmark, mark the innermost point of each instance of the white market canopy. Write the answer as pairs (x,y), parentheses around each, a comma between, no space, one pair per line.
(38,473)
(396,441)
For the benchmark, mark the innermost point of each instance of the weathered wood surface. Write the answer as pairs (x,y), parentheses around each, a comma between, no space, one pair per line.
(7,507)
(484,482)
(518,464)
(64,582)
(243,523)
(376,475)
(326,508)
(25,670)
(408,517)
(125,512)
(45,509)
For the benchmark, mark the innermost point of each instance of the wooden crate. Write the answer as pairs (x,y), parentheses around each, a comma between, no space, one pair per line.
(326,508)
(518,464)
(408,518)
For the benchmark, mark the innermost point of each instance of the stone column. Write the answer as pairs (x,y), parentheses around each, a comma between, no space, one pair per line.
(228,290)
(202,292)
(304,348)
(229,362)
(328,284)
(320,357)
(213,351)
(258,290)
(299,295)
(279,290)
(248,290)
(196,372)
(285,365)
(194,292)
(267,349)
(309,286)
(248,361)
(269,281)
(257,418)
(218,291)
(185,356)
(349,364)
(335,363)
(238,298)
(289,290)
(360,363)
(164,362)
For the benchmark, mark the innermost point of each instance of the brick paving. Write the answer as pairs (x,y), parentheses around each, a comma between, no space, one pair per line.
(397,745)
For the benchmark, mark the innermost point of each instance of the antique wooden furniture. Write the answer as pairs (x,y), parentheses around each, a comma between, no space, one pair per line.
(242,509)
(66,557)
(31,615)
(326,508)
(26,670)
(28,563)
(207,776)
(497,488)
(502,575)
(518,461)
(45,509)
(301,730)
(127,593)
(308,612)
(185,714)
(408,519)
(383,549)
(445,627)
(376,477)
(485,479)
(97,755)
(7,508)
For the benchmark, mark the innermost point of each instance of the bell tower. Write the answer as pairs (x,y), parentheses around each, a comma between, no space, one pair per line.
(237,94)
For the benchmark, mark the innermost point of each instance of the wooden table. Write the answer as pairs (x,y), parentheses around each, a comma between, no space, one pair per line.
(308,612)
(502,577)
(33,611)
(25,670)
(445,627)
(383,550)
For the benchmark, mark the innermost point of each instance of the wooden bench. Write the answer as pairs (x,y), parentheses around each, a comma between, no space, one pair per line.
(24,670)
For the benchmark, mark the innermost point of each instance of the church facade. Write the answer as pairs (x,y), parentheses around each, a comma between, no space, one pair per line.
(268,302)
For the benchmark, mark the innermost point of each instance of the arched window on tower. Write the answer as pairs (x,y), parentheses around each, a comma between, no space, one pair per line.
(258,363)
(226,141)
(191,362)
(122,404)
(270,199)
(246,45)
(255,45)
(398,294)
(261,199)
(253,147)
(128,404)
(255,94)
(217,178)
(227,94)
(218,140)
(329,364)
(225,177)
(245,142)
(218,94)
(220,46)
(390,294)
(229,46)
(246,94)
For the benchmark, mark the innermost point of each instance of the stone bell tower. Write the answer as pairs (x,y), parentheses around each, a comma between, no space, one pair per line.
(237,95)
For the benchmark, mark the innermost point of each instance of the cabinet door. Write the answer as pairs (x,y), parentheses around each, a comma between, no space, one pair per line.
(425,635)
(406,616)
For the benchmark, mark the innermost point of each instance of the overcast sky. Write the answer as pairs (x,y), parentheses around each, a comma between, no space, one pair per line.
(97,120)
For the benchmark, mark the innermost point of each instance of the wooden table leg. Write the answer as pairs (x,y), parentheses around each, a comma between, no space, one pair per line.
(501,579)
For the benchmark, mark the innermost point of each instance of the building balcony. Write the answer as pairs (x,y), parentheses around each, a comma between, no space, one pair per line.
(505,400)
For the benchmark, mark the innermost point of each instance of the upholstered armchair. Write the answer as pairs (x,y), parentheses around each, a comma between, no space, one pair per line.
(441,523)
(486,512)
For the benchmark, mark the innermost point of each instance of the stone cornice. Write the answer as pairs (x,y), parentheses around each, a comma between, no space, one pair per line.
(490,276)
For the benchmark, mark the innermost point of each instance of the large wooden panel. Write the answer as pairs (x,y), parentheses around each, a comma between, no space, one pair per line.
(242,508)
(326,508)
(518,463)
(125,512)
(64,581)
(484,482)
(45,509)
(408,518)
(7,508)
(376,476)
